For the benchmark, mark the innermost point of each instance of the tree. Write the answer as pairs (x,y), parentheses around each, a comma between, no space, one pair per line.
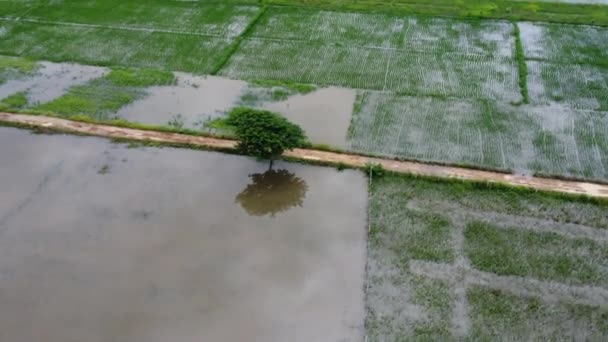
(272,192)
(264,134)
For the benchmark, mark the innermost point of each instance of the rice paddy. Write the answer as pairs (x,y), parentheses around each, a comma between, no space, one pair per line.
(436,89)
(550,139)
(451,262)
(446,261)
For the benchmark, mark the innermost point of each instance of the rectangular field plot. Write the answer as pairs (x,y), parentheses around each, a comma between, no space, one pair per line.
(121,255)
(578,85)
(461,262)
(91,45)
(375,68)
(565,43)
(544,139)
(181,16)
(487,38)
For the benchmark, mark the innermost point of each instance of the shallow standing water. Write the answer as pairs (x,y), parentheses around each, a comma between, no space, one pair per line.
(192,101)
(51,81)
(323,114)
(99,242)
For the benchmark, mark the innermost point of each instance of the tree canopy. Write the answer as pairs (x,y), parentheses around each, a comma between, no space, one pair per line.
(264,134)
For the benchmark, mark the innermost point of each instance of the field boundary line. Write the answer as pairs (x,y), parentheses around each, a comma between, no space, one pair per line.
(116,27)
(237,41)
(515,222)
(310,155)
(548,291)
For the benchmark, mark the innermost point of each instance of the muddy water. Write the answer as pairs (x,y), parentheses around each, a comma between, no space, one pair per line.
(323,114)
(51,81)
(99,242)
(191,102)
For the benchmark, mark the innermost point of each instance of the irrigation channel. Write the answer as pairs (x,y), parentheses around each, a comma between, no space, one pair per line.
(546,184)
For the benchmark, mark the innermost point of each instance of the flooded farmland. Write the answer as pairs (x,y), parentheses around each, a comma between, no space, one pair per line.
(99,241)
(191,102)
(51,80)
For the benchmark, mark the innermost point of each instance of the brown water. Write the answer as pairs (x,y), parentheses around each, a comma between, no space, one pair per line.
(51,81)
(191,102)
(99,242)
(324,114)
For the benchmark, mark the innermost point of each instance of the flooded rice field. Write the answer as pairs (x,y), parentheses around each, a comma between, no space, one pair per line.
(99,242)
(190,103)
(193,101)
(51,81)
(324,114)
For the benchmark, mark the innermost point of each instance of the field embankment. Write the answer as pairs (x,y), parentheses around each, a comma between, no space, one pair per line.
(333,158)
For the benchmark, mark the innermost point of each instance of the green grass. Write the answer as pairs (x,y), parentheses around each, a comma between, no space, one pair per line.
(199,17)
(113,47)
(496,315)
(101,98)
(547,256)
(15,102)
(16,8)
(98,99)
(521,63)
(19,64)
(140,77)
(403,305)
(473,9)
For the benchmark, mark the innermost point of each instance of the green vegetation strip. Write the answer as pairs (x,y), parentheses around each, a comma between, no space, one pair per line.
(102,97)
(223,59)
(549,11)
(496,315)
(546,256)
(521,63)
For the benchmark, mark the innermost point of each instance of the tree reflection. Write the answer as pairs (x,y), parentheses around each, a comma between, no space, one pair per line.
(272,192)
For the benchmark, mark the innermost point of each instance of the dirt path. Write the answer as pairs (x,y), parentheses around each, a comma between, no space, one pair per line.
(573,187)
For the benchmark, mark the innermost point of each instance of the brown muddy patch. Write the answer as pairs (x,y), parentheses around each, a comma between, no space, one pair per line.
(158,248)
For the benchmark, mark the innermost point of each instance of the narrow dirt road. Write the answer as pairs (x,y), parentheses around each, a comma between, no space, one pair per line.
(572,187)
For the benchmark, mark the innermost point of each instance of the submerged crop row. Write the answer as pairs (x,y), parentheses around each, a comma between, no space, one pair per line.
(451,261)
(549,139)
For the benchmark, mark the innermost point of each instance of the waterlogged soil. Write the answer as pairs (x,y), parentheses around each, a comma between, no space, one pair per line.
(51,81)
(190,103)
(101,242)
